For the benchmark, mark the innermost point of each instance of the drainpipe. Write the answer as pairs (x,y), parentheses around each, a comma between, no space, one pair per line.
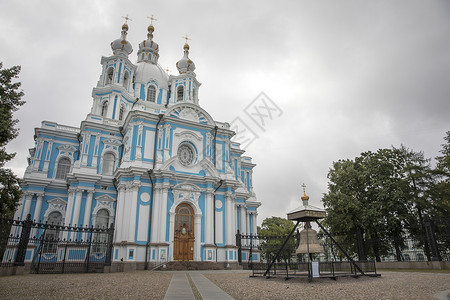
(137,99)
(123,146)
(215,135)
(168,96)
(150,173)
(79,145)
(214,215)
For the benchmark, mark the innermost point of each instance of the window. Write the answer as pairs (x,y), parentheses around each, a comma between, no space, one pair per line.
(151,94)
(109,76)
(109,162)
(50,242)
(63,168)
(121,112)
(180,92)
(104,108)
(100,240)
(126,79)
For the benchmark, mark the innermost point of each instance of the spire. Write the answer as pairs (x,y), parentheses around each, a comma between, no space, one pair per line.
(121,46)
(148,49)
(185,64)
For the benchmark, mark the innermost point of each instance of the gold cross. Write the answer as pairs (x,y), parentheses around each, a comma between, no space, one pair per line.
(167,70)
(304,188)
(152,19)
(126,18)
(186,38)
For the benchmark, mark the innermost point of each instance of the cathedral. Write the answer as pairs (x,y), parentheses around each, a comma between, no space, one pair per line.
(148,159)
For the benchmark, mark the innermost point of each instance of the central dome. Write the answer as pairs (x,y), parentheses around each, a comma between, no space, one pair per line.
(147,71)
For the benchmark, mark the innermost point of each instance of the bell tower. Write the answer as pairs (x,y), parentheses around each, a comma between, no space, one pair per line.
(184,87)
(114,90)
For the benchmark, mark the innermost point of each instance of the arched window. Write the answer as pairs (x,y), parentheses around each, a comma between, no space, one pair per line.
(109,163)
(104,108)
(151,94)
(109,76)
(180,93)
(126,79)
(63,168)
(102,219)
(100,240)
(121,112)
(52,232)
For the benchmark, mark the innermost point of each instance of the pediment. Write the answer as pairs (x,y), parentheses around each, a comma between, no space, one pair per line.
(66,147)
(190,112)
(56,201)
(105,197)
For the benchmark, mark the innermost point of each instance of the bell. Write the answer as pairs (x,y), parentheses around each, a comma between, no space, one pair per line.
(309,235)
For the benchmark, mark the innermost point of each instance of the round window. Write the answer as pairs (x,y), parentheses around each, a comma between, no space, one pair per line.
(185,154)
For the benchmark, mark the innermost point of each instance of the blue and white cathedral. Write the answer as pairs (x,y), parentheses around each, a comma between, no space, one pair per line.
(150,160)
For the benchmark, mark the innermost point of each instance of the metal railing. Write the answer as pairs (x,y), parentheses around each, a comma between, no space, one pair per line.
(54,248)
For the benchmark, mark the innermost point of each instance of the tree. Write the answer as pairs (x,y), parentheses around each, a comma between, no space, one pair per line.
(10,101)
(273,233)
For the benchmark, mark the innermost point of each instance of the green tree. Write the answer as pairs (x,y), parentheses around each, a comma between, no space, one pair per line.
(10,101)
(374,195)
(273,233)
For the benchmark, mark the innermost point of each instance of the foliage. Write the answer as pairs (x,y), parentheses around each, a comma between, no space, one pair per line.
(10,101)
(383,195)
(273,233)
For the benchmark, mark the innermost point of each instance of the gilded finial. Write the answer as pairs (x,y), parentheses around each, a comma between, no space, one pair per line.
(125,25)
(305,198)
(186,38)
(126,18)
(152,19)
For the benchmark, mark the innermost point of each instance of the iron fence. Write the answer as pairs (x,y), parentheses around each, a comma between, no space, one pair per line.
(54,248)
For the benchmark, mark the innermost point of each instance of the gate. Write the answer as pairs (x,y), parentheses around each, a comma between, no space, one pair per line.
(54,248)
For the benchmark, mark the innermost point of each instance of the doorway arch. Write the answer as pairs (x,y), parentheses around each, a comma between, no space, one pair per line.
(184,235)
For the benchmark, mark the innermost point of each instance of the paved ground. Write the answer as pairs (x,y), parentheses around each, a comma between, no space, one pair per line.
(221,285)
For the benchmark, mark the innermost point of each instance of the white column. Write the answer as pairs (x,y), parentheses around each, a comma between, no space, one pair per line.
(164,212)
(243,224)
(76,209)
(249,230)
(254,223)
(209,226)
(171,235)
(87,208)
(133,210)
(126,213)
(119,212)
(198,234)
(155,213)
(37,209)
(229,218)
(70,200)
(27,205)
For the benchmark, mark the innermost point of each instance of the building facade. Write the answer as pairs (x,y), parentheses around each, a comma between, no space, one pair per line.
(149,159)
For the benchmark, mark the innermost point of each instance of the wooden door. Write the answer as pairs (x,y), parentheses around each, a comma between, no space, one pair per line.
(184,233)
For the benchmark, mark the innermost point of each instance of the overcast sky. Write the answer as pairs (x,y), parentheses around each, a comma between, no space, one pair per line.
(348,76)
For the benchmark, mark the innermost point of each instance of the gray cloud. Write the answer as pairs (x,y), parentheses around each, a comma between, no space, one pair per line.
(350,76)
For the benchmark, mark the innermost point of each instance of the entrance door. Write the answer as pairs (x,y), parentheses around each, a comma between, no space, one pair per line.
(184,233)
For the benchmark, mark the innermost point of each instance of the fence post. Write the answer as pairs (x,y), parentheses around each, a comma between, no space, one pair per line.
(238,243)
(88,254)
(431,237)
(23,242)
(109,247)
